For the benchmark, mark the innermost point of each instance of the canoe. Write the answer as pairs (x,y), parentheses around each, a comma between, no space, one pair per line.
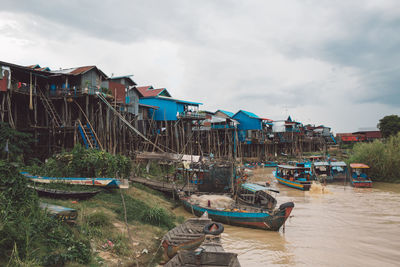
(104,182)
(188,235)
(240,215)
(61,213)
(210,253)
(302,182)
(55,193)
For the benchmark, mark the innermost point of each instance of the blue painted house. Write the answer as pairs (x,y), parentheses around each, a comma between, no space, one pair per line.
(249,124)
(170,109)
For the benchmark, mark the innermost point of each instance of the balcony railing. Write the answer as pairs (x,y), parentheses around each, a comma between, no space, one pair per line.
(193,115)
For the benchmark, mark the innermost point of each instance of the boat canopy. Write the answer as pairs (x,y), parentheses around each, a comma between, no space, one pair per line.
(321,163)
(256,187)
(359,166)
(290,167)
(339,164)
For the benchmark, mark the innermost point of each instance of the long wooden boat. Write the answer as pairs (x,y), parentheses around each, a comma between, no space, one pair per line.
(294,177)
(104,182)
(55,193)
(186,236)
(210,253)
(339,170)
(61,213)
(240,215)
(359,177)
(322,171)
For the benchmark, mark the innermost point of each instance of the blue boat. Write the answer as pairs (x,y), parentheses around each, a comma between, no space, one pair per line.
(359,177)
(103,182)
(241,215)
(294,177)
(339,170)
(59,212)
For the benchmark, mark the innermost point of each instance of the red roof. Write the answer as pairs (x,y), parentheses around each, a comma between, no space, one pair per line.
(147,91)
(81,70)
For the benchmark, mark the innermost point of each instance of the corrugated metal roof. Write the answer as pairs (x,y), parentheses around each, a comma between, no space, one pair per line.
(79,70)
(254,187)
(148,91)
(338,164)
(248,113)
(228,113)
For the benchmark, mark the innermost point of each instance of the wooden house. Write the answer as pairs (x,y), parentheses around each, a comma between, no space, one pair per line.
(170,109)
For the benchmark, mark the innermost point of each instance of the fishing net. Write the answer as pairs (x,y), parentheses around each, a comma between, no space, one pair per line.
(216,201)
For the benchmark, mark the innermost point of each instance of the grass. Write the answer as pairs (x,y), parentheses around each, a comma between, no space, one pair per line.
(382,156)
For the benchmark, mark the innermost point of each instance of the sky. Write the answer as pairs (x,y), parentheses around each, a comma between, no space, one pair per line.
(335,63)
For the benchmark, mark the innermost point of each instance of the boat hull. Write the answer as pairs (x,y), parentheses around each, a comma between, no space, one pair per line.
(361,183)
(103,182)
(259,220)
(294,184)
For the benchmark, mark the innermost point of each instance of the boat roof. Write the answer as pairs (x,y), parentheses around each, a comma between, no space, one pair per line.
(321,163)
(339,164)
(254,187)
(291,167)
(359,166)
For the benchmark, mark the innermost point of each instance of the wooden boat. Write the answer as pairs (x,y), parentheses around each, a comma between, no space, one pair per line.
(241,215)
(55,193)
(210,253)
(339,170)
(256,195)
(188,235)
(61,213)
(292,176)
(104,182)
(359,177)
(322,171)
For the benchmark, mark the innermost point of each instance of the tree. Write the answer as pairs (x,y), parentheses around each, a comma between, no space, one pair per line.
(389,125)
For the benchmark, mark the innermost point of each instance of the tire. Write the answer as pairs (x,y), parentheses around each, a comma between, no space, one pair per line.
(207,227)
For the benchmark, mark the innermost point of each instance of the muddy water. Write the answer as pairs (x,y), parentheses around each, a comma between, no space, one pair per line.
(336,225)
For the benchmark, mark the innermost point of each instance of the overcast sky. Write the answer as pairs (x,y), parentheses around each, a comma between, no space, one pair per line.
(335,63)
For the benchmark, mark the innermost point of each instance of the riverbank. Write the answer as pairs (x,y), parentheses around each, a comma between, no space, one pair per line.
(117,227)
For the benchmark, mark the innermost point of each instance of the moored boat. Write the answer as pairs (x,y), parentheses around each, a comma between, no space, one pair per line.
(56,193)
(359,177)
(210,253)
(241,215)
(186,236)
(61,213)
(104,182)
(292,176)
(322,171)
(256,195)
(339,170)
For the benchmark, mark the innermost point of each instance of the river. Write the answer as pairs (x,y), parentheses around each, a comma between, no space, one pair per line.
(337,226)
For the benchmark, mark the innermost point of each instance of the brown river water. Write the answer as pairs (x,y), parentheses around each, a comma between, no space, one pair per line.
(336,225)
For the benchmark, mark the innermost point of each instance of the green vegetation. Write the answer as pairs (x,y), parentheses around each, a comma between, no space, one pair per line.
(389,125)
(382,157)
(28,236)
(82,162)
(19,144)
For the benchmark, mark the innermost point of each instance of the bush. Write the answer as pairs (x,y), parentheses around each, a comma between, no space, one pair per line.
(27,233)
(82,162)
(382,157)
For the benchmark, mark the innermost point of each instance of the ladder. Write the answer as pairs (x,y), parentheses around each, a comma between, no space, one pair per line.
(51,110)
(88,136)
